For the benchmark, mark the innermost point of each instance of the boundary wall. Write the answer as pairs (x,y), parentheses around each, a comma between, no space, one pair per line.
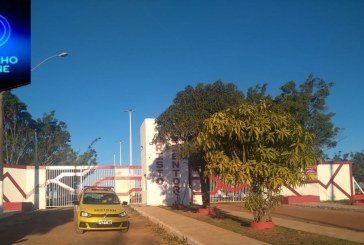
(160,180)
(19,187)
(329,180)
(30,187)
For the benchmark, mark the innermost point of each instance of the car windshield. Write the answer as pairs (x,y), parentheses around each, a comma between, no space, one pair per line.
(100,198)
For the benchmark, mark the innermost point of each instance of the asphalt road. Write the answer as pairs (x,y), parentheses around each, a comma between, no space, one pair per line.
(55,226)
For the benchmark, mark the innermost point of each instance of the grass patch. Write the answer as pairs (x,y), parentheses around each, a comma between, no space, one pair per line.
(279,235)
(159,231)
(167,237)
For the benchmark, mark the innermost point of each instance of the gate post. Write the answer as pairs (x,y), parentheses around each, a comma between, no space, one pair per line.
(122,187)
(42,188)
(166,177)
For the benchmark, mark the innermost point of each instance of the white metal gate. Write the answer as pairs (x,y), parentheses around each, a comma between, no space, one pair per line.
(220,192)
(64,183)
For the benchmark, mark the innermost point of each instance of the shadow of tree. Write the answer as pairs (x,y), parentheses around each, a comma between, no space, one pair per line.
(14,228)
(225,215)
(218,214)
(169,178)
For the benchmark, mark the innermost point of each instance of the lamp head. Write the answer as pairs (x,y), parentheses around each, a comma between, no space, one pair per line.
(63,54)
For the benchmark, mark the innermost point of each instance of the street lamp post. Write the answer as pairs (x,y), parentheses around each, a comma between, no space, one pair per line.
(120,161)
(130,151)
(63,54)
(130,138)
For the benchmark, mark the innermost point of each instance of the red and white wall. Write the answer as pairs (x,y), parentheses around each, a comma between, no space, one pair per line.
(22,188)
(25,187)
(332,181)
(163,180)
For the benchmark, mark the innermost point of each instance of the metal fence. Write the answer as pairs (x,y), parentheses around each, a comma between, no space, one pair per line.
(136,186)
(64,183)
(220,192)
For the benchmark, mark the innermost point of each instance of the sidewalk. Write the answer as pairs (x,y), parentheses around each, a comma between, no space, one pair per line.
(194,231)
(190,229)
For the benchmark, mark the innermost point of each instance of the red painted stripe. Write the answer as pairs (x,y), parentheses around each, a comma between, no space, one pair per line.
(293,190)
(12,180)
(6,199)
(351,178)
(129,192)
(128,178)
(97,183)
(335,162)
(116,167)
(341,189)
(358,197)
(331,181)
(220,185)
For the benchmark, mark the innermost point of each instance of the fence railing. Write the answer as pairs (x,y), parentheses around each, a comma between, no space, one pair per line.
(220,192)
(64,183)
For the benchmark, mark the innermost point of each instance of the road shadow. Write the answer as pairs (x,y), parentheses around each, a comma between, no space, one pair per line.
(14,228)
(217,213)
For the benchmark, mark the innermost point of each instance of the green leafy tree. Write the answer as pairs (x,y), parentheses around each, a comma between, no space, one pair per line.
(45,140)
(341,156)
(19,129)
(357,160)
(89,157)
(257,145)
(65,156)
(307,103)
(358,165)
(257,94)
(183,120)
(52,138)
(308,106)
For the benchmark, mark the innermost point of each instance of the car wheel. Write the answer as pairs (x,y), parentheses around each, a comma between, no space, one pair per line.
(125,230)
(78,230)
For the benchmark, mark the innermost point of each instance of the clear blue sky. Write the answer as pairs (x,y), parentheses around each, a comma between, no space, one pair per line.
(139,54)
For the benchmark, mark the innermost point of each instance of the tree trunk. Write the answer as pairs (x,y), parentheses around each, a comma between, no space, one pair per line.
(205,187)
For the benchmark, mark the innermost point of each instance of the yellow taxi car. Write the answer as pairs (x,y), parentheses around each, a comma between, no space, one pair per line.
(99,208)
